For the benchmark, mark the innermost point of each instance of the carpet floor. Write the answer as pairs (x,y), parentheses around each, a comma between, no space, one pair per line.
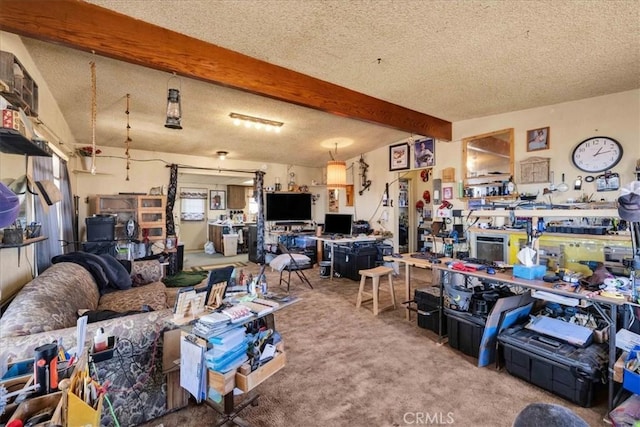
(346,367)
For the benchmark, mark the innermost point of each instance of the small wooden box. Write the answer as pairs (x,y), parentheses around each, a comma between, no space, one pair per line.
(252,380)
(31,407)
(222,383)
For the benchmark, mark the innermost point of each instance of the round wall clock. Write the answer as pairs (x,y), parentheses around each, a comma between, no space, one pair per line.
(597,154)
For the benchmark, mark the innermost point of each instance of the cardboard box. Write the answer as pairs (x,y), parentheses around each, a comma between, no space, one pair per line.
(631,380)
(11,120)
(618,368)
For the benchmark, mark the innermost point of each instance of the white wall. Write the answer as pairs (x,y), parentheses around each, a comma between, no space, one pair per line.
(12,274)
(616,115)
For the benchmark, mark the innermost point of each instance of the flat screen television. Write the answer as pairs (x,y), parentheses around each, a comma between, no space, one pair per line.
(338,224)
(288,207)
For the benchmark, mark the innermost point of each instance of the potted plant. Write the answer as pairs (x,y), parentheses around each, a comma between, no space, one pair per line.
(86,155)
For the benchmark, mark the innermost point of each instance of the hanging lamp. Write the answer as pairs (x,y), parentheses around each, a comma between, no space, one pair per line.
(174,105)
(336,172)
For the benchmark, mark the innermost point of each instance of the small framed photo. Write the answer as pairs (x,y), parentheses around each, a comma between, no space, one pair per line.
(447,193)
(424,153)
(538,139)
(217,200)
(399,157)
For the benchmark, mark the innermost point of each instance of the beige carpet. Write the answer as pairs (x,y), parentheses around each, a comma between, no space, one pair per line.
(346,367)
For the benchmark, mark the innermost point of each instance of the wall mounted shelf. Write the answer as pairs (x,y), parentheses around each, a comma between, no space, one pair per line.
(84,172)
(25,242)
(13,142)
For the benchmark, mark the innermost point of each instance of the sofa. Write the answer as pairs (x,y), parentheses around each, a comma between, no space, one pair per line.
(46,310)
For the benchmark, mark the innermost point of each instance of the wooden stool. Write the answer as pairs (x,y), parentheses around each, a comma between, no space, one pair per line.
(375,274)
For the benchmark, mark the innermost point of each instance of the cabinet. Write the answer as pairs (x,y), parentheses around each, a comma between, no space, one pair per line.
(236,196)
(18,86)
(148,213)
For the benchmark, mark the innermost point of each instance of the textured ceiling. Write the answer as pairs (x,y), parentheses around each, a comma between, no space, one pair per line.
(450,59)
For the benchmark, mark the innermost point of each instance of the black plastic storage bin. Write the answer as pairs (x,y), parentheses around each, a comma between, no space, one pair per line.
(571,372)
(465,331)
(428,302)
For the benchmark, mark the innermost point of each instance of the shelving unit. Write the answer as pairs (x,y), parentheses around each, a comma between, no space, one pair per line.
(22,89)
(147,211)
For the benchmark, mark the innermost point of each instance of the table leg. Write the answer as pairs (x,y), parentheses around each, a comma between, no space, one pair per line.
(407,289)
(331,268)
(230,413)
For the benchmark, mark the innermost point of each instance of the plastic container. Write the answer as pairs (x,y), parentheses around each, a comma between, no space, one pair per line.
(535,272)
(631,380)
(325,269)
(230,242)
(99,341)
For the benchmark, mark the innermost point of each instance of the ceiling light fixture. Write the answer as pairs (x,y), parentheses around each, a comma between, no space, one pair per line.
(174,105)
(336,172)
(256,122)
(222,154)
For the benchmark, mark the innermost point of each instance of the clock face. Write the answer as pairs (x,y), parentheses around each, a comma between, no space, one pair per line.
(597,154)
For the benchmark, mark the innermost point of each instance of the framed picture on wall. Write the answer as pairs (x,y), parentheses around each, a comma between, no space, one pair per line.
(538,139)
(447,193)
(399,157)
(424,153)
(217,200)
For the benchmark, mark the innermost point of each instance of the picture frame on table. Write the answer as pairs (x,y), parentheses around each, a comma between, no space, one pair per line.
(217,200)
(399,156)
(424,153)
(538,139)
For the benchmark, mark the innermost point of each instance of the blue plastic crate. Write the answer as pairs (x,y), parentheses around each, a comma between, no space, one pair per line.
(631,380)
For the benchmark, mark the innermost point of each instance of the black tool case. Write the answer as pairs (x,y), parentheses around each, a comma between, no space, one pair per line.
(465,331)
(429,313)
(571,372)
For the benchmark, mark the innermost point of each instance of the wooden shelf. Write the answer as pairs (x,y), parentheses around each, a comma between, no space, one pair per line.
(548,213)
(81,171)
(25,242)
(13,142)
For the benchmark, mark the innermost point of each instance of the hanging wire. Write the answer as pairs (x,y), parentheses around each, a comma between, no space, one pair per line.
(93,117)
(128,140)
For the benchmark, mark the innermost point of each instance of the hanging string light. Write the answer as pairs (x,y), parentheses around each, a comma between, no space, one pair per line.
(127,142)
(93,117)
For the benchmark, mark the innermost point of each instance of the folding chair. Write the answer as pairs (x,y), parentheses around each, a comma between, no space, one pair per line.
(295,267)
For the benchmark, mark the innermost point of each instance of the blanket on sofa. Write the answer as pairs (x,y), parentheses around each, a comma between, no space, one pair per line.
(108,273)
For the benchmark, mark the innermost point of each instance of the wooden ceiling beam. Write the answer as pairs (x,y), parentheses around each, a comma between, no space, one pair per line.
(91,28)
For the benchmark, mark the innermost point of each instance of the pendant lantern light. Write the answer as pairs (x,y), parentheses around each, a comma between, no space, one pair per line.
(336,172)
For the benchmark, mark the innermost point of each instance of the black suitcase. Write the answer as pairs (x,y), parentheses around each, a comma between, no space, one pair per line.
(563,369)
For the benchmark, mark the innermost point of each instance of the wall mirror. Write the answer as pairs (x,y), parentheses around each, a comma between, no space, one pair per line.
(488,156)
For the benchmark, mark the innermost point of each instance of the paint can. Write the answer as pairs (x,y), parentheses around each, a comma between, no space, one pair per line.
(325,269)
